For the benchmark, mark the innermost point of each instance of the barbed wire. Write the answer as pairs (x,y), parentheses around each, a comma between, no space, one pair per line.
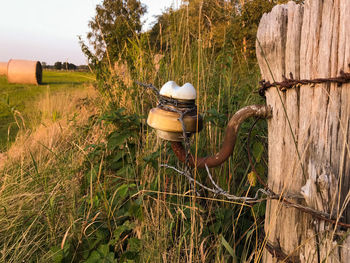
(276,251)
(290,82)
(217,190)
(148,86)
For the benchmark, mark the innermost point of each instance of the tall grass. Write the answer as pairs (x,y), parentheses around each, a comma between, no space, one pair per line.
(177,225)
(39,184)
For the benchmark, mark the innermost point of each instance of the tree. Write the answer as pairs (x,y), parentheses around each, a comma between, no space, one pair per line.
(58,65)
(115,22)
(244,24)
(220,23)
(69,66)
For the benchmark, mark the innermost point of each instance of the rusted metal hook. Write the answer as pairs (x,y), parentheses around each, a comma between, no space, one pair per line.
(228,145)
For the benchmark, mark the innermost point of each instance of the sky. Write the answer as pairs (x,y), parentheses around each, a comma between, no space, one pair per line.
(48,30)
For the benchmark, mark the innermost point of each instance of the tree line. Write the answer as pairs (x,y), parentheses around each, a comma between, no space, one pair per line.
(64,66)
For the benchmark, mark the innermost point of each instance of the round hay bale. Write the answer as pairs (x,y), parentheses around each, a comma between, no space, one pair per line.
(3,68)
(24,72)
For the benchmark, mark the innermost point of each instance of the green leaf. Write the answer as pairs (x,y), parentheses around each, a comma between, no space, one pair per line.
(102,254)
(258,149)
(135,210)
(227,246)
(119,231)
(57,254)
(94,257)
(103,249)
(129,257)
(124,170)
(118,156)
(134,244)
(260,169)
(116,139)
(123,190)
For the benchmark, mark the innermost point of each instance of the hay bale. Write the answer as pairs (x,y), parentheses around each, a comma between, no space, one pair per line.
(24,72)
(3,68)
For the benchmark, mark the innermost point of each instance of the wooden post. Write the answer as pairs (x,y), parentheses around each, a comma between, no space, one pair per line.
(309,133)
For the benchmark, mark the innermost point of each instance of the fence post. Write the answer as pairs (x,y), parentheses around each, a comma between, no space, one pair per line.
(309,133)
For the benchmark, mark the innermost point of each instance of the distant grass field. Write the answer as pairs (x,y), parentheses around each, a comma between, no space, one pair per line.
(16,100)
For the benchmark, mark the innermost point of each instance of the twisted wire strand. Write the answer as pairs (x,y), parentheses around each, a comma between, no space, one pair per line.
(290,82)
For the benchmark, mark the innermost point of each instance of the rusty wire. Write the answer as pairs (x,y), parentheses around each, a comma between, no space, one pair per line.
(290,82)
(276,251)
(148,86)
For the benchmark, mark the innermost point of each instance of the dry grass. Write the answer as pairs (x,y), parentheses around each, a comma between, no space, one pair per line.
(57,117)
(39,179)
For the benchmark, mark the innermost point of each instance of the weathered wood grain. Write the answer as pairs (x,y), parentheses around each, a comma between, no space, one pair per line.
(309,133)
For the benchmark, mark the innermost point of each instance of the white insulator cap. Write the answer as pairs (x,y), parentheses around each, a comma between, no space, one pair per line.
(172,90)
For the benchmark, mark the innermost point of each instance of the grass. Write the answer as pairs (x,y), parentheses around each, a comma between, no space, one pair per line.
(40,177)
(16,100)
(86,185)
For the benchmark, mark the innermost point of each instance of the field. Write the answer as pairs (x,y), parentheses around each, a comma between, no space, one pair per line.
(16,100)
